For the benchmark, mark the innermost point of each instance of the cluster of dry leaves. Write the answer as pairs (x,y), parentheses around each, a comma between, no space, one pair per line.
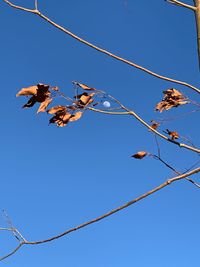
(172,98)
(62,115)
(43,94)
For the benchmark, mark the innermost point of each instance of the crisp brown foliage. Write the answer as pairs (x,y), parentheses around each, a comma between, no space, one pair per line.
(172,98)
(44,105)
(76,116)
(84,99)
(32,90)
(56,109)
(174,135)
(62,117)
(84,86)
(140,155)
(155,124)
(40,93)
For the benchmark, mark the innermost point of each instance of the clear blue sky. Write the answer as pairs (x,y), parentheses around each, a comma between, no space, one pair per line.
(55,178)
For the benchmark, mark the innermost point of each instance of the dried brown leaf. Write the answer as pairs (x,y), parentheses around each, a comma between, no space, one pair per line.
(43,88)
(76,116)
(155,124)
(44,105)
(56,109)
(174,135)
(172,98)
(32,90)
(84,99)
(61,118)
(84,86)
(31,102)
(140,155)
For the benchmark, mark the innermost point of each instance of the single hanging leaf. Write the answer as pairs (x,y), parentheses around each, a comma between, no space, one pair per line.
(140,155)
(155,124)
(84,86)
(174,135)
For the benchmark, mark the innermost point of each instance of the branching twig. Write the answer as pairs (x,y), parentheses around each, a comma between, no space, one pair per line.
(132,113)
(36,5)
(173,169)
(128,62)
(124,206)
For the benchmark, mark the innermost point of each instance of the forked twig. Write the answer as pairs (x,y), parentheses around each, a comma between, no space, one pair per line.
(97,219)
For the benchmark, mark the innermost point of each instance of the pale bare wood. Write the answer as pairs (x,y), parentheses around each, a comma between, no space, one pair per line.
(101,50)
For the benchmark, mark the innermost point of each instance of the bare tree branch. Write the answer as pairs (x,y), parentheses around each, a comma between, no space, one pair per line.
(173,169)
(37,12)
(179,3)
(132,113)
(197,17)
(108,112)
(12,252)
(36,5)
(97,219)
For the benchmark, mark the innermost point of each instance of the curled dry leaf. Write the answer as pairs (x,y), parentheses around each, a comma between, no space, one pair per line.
(76,116)
(174,135)
(40,93)
(61,118)
(31,102)
(155,124)
(84,86)
(56,109)
(140,155)
(172,98)
(84,99)
(44,105)
(32,90)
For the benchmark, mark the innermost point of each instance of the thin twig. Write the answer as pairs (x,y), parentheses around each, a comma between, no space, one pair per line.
(108,112)
(36,5)
(197,18)
(173,169)
(179,3)
(128,62)
(132,113)
(157,144)
(124,206)
(13,252)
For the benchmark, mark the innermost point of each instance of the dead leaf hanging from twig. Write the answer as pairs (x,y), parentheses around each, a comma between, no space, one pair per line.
(174,135)
(155,124)
(84,86)
(139,155)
